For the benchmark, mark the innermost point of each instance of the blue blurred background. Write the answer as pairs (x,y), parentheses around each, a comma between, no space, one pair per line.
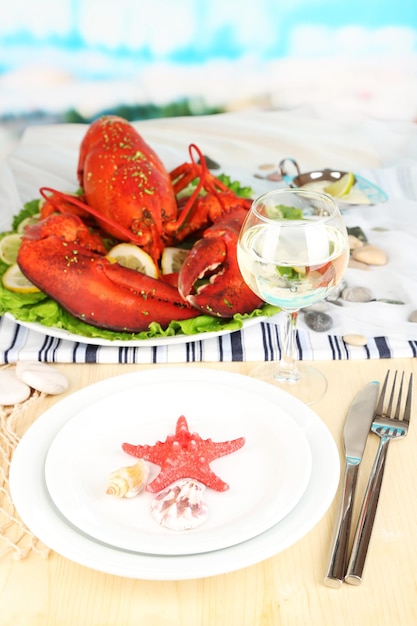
(73,59)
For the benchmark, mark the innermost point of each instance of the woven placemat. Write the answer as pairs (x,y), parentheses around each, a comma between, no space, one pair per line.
(16,540)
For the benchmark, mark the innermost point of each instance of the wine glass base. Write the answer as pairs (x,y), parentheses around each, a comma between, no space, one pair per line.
(310,387)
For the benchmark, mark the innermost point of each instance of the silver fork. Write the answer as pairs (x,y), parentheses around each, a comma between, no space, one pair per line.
(388,425)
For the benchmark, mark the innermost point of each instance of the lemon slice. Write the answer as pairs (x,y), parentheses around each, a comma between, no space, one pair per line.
(172,259)
(341,187)
(133,257)
(9,247)
(14,280)
(28,221)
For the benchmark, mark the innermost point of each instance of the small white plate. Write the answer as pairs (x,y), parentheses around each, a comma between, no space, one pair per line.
(267,476)
(38,512)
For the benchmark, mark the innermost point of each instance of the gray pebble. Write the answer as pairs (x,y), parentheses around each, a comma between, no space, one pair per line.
(413,317)
(357,294)
(335,292)
(334,295)
(357,232)
(318,321)
(211,163)
(389,301)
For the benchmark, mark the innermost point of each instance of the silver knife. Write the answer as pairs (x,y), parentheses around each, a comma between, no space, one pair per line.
(355,433)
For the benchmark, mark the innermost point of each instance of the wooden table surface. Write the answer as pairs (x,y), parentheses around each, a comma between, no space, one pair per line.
(286,589)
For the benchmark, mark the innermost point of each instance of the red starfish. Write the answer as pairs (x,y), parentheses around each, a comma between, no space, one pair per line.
(184,455)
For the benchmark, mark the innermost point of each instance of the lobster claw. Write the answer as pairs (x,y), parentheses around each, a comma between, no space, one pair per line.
(210,279)
(63,260)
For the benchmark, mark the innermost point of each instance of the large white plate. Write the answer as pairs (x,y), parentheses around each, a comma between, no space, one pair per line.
(267,477)
(32,500)
(60,333)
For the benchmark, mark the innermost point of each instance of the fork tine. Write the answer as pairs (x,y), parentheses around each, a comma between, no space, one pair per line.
(380,406)
(408,402)
(391,397)
(400,393)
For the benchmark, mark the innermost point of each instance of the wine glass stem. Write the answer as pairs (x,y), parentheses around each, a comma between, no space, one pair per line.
(288,370)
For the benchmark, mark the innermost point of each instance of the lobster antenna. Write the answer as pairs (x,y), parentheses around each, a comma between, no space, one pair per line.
(124,232)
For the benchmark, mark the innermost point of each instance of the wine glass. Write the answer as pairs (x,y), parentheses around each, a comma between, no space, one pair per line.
(292,250)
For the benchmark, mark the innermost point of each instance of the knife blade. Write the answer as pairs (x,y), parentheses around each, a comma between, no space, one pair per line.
(355,433)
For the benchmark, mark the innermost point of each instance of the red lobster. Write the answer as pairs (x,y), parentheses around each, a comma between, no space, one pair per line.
(67,262)
(131,197)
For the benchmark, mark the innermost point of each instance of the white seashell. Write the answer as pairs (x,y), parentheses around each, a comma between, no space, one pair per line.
(127,482)
(180,506)
(42,377)
(12,390)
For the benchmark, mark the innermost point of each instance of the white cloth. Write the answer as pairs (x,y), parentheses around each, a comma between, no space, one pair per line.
(384,153)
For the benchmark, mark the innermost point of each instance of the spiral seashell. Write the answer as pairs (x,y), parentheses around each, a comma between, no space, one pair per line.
(180,506)
(127,482)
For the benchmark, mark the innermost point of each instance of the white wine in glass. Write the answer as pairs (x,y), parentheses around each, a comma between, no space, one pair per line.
(292,250)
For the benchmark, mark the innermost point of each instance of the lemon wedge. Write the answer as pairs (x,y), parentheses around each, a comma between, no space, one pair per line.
(14,280)
(9,247)
(28,221)
(172,259)
(133,257)
(341,187)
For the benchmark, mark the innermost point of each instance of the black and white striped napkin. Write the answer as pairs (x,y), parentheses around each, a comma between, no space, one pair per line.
(259,342)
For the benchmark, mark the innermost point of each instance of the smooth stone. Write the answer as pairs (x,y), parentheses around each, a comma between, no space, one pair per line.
(335,293)
(357,294)
(371,255)
(318,321)
(357,265)
(389,301)
(12,390)
(318,306)
(211,163)
(355,340)
(354,242)
(42,377)
(357,232)
(267,166)
(413,317)
(275,176)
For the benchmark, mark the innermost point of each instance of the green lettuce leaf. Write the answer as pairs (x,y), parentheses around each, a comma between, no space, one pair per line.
(39,308)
